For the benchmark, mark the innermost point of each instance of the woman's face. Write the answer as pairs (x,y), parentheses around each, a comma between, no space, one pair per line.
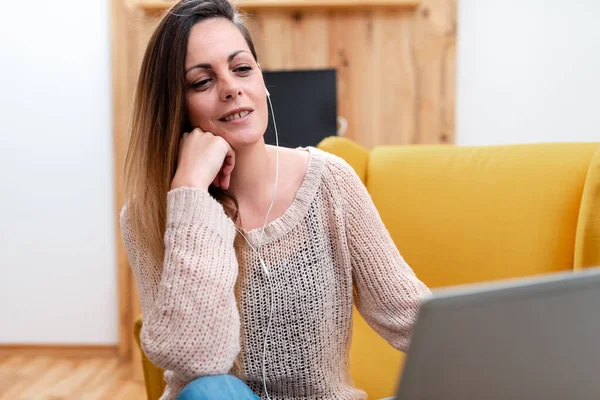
(225,89)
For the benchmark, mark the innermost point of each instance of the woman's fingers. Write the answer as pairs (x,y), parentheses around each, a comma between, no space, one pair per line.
(228,166)
(203,158)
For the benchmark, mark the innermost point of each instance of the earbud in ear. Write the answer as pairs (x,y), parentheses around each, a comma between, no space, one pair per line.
(267,90)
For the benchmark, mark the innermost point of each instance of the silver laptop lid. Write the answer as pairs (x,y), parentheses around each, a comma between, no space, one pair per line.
(536,338)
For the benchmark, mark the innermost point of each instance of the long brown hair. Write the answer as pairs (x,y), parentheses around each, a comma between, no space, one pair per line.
(160,117)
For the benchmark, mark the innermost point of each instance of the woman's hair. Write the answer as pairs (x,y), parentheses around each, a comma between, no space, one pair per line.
(160,117)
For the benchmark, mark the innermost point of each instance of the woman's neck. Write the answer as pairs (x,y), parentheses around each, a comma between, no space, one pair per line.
(253,176)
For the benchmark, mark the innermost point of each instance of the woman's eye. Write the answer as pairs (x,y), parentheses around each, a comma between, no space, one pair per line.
(243,69)
(199,84)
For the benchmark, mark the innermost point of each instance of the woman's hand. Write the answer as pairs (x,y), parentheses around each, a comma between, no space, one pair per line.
(203,159)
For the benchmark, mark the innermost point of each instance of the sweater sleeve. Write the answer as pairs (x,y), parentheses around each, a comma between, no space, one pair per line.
(190,318)
(387,292)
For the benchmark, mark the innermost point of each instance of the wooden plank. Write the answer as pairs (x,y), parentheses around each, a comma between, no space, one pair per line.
(59,350)
(394,100)
(130,390)
(287,40)
(435,62)
(130,31)
(310,40)
(82,371)
(25,374)
(121,48)
(46,377)
(351,53)
(104,381)
(11,370)
(272,36)
(153,6)
(64,377)
(448,132)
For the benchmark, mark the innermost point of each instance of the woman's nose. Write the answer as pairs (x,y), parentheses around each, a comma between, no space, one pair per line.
(230,91)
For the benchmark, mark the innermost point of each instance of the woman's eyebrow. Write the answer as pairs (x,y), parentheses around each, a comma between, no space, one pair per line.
(208,66)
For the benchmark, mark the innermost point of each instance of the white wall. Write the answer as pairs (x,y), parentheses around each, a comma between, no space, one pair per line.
(57,233)
(528,71)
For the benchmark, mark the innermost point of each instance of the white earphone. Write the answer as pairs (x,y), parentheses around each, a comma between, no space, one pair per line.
(257,250)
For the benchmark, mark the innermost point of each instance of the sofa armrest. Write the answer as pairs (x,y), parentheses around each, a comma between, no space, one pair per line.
(153,376)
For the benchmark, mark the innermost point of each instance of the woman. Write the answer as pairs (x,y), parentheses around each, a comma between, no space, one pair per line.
(248,260)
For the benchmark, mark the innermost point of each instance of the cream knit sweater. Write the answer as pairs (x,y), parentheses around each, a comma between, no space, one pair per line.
(209,302)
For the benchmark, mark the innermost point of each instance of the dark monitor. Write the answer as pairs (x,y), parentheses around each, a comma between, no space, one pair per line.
(305,106)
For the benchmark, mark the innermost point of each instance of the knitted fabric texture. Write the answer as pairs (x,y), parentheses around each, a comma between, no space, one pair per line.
(208,304)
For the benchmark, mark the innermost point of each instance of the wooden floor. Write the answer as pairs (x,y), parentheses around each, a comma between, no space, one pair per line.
(53,377)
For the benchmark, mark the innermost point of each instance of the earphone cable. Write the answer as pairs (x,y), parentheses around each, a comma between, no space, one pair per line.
(258,251)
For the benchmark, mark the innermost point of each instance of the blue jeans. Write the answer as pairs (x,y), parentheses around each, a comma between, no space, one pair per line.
(217,387)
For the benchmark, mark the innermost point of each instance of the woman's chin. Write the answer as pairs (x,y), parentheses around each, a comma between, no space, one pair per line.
(240,139)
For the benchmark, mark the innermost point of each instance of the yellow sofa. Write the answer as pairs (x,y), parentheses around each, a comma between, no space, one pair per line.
(468,214)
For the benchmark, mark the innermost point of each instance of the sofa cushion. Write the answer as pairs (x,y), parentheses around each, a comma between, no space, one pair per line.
(472,214)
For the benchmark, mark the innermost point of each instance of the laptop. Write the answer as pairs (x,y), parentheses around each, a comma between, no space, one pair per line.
(535,339)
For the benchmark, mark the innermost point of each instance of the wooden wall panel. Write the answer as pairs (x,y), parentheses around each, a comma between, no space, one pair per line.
(394,108)
(375,71)
(121,93)
(287,40)
(351,54)
(396,67)
(396,80)
(435,61)
(128,28)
